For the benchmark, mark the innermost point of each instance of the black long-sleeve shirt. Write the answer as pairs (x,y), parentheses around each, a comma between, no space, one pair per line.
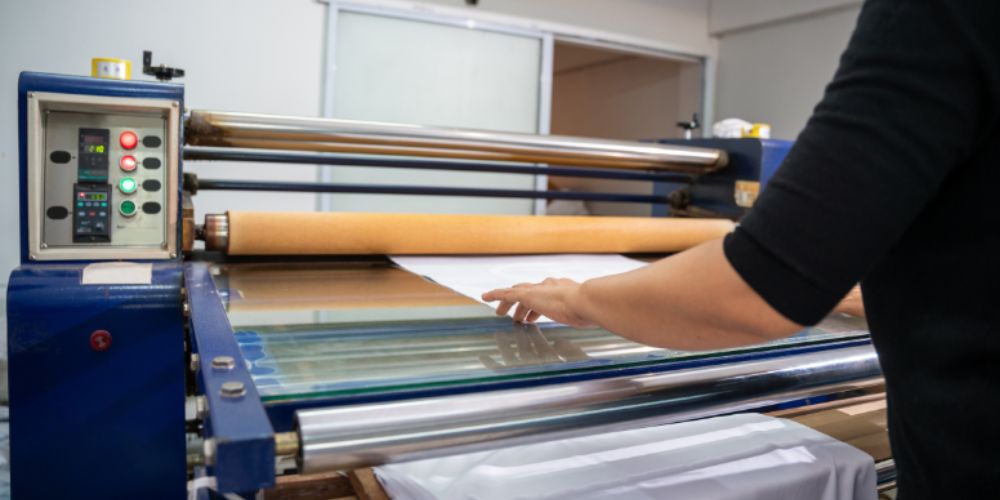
(895,182)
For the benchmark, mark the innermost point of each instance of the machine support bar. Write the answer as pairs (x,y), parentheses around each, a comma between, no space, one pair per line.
(370,434)
(240,446)
(313,187)
(295,157)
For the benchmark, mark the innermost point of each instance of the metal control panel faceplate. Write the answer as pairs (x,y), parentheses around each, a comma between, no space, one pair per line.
(102,177)
(127,177)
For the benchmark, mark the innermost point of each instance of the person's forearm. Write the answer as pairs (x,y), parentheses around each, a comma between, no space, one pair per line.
(692,301)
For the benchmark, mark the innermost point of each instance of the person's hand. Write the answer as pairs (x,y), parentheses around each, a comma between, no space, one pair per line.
(555,298)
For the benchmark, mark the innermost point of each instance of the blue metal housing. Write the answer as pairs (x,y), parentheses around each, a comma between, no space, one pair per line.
(86,421)
(102,424)
(750,159)
(65,84)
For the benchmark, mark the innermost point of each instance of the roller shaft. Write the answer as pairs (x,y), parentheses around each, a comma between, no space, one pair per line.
(318,233)
(247,130)
(376,433)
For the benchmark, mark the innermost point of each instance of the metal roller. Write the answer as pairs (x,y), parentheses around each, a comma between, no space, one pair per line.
(371,434)
(249,130)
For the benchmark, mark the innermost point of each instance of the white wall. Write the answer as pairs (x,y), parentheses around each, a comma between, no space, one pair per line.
(774,68)
(679,25)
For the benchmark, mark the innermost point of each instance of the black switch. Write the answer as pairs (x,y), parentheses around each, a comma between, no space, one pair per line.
(151,163)
(151,185)
(59,156)
(151,207)
(57,213)
(151,141)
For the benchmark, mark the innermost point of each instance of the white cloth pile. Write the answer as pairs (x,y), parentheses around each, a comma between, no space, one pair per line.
(747,456)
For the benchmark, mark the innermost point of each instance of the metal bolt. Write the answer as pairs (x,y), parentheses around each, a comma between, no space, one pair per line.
(173,255)
(209,451)
(45,245)
(201,407)
(233,389)
(33,257)
(223,362)
(195,362)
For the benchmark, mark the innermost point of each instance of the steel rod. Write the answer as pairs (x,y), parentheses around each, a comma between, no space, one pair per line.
(370,434)
(314,187)
(229,129)
(309,158)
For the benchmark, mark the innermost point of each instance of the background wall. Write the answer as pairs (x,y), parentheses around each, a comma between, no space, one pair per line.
(775,61)
(615,95)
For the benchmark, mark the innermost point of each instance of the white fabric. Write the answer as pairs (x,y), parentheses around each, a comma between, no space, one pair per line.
(747,456)
(474,275)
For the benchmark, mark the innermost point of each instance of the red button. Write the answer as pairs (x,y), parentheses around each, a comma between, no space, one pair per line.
(100,340)
(128,139)
(127,163)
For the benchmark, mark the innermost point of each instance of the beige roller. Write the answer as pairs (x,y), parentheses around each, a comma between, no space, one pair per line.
(298,233)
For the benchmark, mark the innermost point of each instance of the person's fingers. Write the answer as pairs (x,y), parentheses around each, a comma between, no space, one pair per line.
(504,307)
(497,294)
(532,317)
(521,312)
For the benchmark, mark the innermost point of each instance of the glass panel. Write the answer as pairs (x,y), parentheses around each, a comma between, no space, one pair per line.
(311,329)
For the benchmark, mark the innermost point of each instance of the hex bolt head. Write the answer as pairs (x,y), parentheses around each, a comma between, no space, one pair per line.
(233,389)
(223,363)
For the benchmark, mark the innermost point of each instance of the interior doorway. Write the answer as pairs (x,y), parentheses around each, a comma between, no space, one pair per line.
(617,94)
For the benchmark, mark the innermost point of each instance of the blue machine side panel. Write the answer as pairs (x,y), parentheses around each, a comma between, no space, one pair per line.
(91,423)
(65,84)
(749,160)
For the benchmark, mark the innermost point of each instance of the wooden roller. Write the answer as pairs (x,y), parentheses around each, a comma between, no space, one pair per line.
(325,233)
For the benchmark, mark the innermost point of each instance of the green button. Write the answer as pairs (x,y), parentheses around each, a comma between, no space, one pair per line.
(127,208)
(127,185)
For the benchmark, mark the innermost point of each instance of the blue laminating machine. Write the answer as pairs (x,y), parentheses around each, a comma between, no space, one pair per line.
(141,367)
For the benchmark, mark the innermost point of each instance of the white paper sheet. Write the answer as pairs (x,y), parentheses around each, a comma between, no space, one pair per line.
(473,275)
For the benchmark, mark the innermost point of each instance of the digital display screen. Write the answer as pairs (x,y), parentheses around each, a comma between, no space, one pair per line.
(93,154)
(93,196)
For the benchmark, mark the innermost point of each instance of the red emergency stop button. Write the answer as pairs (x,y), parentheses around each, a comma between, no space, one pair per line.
(100,340)
(128,163)
(128,139)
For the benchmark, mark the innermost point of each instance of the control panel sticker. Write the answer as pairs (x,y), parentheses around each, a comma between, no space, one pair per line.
(117,273)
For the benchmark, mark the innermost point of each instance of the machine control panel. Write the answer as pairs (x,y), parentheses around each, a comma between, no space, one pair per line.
(104,178)
(91,222)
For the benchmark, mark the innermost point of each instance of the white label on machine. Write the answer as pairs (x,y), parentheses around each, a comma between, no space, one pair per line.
(117,273)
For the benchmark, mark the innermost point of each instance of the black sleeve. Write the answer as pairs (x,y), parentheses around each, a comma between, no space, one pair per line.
(903,111)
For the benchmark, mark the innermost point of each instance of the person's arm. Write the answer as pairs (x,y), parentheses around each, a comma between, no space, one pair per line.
(693,301)
(909,103)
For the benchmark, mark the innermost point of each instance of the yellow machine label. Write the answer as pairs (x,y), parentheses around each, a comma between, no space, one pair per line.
(746,193)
